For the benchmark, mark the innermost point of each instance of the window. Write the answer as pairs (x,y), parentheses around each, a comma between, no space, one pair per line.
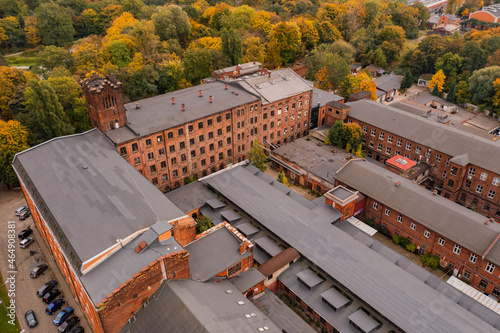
(388,150)
(427,233)
(219,131)
(228,116)
(479,188)
(228,140)
(483,285)
(137,161)
(381,135)
(184,170)
(148,142)
(191,141)
(264,127)
(163,165)
(211,147)
(453,171)
(170,135)
(491,194)
(159,138)
(473,258)
(408,146)
(182,145)
(272,113)
(228,129)
(486,208)
(174,173)
(428,153)
(467,183)
(151,156)
(209,122)
(373,132)
(200,125)
(375,205)
(379,147)
(472,171)
(219,119)
(193,153)
(466,274)
(203,162)
(483,176)
(183,157)
(152,168)
(220,143)
(212,159)
(173,160)
(123,151)
(444,174)
(201,138)
(165,177)
(211,135)
(365,129)
(413,226)
(221,156)
(229,152)
(190,128)
(171,148)
(387,211)
(181,131)
(495,181)
(450,183)
(441,241)
(279,122)
(400,218)
(418,149)
(155,181)
(490,267)
(161,151)
(457,249)
(135,147)
(438,158)
(234,269)
(399,142)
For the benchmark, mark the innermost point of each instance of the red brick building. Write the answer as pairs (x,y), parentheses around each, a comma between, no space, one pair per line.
(199,130)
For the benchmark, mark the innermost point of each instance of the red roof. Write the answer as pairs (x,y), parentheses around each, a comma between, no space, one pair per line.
(401,162)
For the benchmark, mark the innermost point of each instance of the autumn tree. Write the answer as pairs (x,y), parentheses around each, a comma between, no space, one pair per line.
(355,83)
(54,24)
(119,53)
(13,31)
(51,57)
(496,97)
(462,92)
(172,23)
(197,63)
(45,117)
(332,72)
(494,59)
(90,54)
(282,178)
(92,22)
(171,76)
(146,42)
(31,32)
(13,139)
(474,57)
(11,81)
(437,81)
(481,84)
(391,40)
(231,46)
(284,40)
(254,50)
(347,136)
(257,156)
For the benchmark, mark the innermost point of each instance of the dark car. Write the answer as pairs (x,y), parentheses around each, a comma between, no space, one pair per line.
(20,210)
(50,296)
(46,288)
(68,324)
(24,215)
(26,242)
(54,306)
(77,329)
(25,233)
(31,318)
(389,99)
(62,315)
(38,270)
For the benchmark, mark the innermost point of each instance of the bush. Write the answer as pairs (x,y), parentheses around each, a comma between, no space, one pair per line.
(404,242)
(370,222)
(396,239)
(203,223)
(411,247)
(431,261)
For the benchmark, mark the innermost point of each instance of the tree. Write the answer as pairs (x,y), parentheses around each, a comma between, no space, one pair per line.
(13,31)
(90,54)
(92,22)
(496,98)
(474,57)
(51,57)
(494,59)
(355,83)
(391,39)
(379,58)
(347,136)
(197,63)
(54,24)
(462,92)
(257,156)
(450,64)
(172,23)
(45,118)
(481,84)
(282,178)
(119,53)
(11,81)
(435,91)
(231,46)
(13,139)
(309,33)
(32,36)
(146,42)
(332,72)
(254,50)
(203,223)
(171,76)
(431,48)
(451,94)
(437,81)
(284,41)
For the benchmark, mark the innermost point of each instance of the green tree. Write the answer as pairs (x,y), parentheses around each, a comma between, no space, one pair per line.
(231,46)
(332,72)
(45,118)
(203,223)
(481,84)
(462,92)
(451,93)
(51,57)
(13,139)
(450,64)
(431,48)
(435,91)
(14,32)
(379,58)
(408,80)
(282,178)
(54,24)
(197,63)
(171,77)
(347,136)
(172,23)
(119,53)
(92,22)
(391,39)
(474,57)
(284,41)
(257,156)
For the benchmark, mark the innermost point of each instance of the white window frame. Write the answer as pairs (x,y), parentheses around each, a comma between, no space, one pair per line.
(375,205)
(400,218)
(479,189)
(373,132)
(408,146)
(427,233)
(495,181)
(473,258)
(490,268)
(472,171)
(490,195)
(457,248)
(389,139)
(365,129)
(381,135)
(399,142)
(413,226)
(483,176)
(387,211)
(441,241)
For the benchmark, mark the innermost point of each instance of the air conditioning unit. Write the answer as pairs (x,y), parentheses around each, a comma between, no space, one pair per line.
(469,177)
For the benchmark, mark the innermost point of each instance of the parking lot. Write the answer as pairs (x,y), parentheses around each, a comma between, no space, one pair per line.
(25,259)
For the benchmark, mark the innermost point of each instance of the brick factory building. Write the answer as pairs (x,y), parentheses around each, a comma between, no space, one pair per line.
(197,131)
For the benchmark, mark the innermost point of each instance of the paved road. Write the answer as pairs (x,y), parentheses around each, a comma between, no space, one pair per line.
(26,287)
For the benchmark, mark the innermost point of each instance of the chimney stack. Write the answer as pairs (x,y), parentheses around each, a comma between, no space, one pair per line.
(269,74)
(137,106)
(243,247)
(173,100)
(225,86)
(182,106)
(210,98)
(200,93)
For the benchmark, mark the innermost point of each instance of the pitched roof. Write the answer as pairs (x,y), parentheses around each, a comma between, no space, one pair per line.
(448,140)
(388,82)
(457,223)
(279,261)
(95,196)
(321,97)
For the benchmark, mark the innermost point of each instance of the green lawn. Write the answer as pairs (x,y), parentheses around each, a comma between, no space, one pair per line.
(5,327)
(27,58)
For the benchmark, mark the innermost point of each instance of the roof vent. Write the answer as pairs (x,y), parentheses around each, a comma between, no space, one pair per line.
(85,167)
(240,303)
(229,291)
(140,247)
(182,107)
(200,91)
(137,106)
(210,97)
(398,183)
(225,86)
(173,100)
(435,192)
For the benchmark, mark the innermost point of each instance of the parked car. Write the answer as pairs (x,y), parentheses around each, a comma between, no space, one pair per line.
(77,329)
(24,215)
(389,99)
(46,288)
(26,242)
(25,233)
(38,270)
(20,210)
(31,318)
(68,324)
(62,315)
(50,296)
(54,306)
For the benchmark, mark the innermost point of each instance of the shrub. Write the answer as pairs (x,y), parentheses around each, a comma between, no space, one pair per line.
(431,261)
(370,222)
(411,247)
(396,239)
(404,242)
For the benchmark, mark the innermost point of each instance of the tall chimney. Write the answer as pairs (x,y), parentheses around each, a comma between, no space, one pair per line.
(269,74)
(137,106)
(225,86)
(210,98)
(173,100)
(200,93)
(182,106)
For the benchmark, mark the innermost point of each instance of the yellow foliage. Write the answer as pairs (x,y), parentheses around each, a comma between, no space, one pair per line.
(123,22)
(496,98)
(437,79)
(262,21)
(211,43)
(10,79)
(137,63)
(32,37)
(90,54)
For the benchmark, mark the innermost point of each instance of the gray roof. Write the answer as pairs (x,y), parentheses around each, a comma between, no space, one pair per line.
(341,193)
(214,253)
(230,215)
(247,229)
(245,68)
(424,97)
(335,298)
(157,113)
(482,152)
(95,196)
(248,279)
(282,83)
(388,83)
(309,278)
(268,246)
(457,223)
(185,306)
(183,196)
(321,97)
(363,321)
(215,204)
(373,279)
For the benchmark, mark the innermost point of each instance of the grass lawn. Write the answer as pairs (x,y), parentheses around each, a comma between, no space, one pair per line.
(5,327)
(26,58)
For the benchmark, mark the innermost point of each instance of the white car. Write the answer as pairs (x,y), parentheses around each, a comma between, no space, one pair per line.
(20,210)
(26,242)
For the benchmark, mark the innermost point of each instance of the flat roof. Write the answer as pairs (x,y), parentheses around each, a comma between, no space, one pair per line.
(321,98)
(248,279)
(335,298)
(401,162)
(364,321)
(268,246)
(388,83)
(247,229)
(309,278)
(95,195)
(341,193)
